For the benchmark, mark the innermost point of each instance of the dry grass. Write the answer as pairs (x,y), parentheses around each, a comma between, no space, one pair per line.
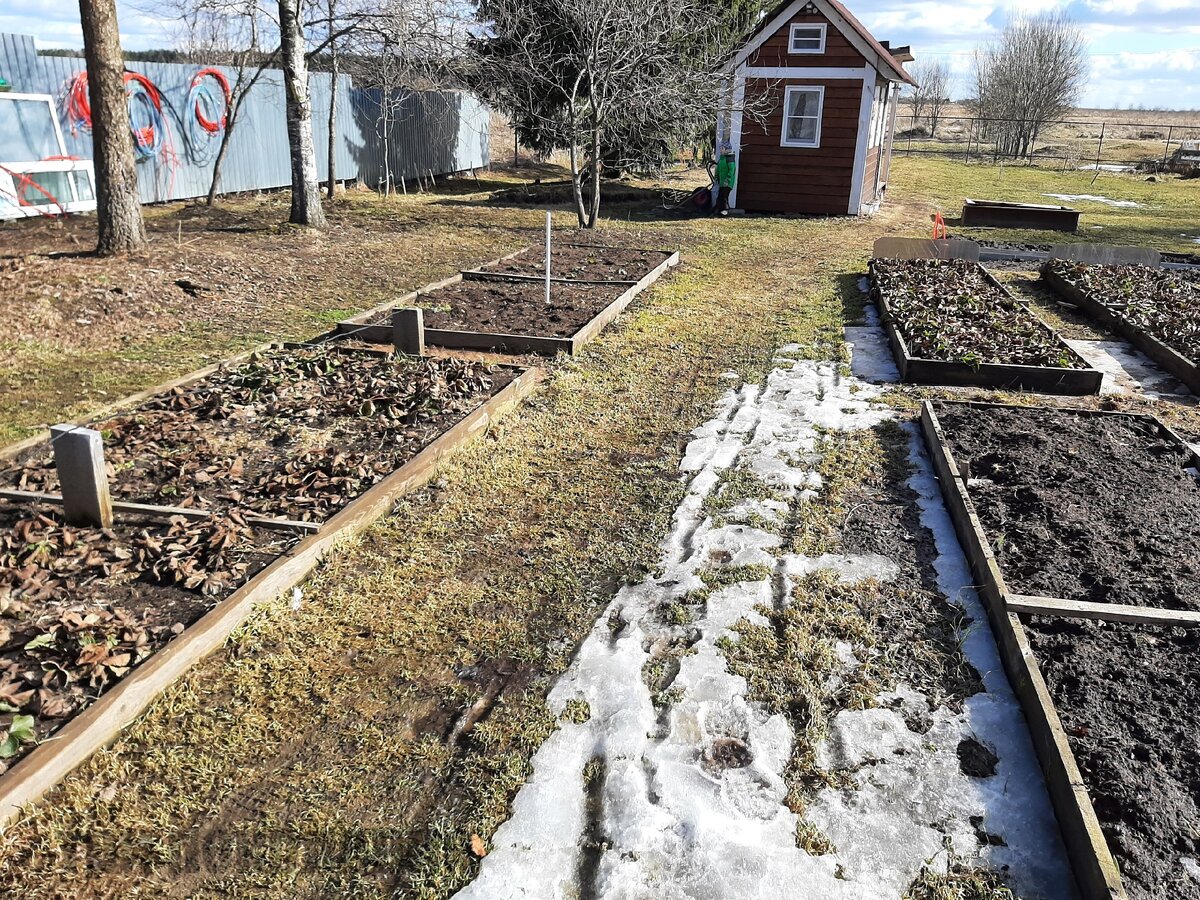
(330,750)
(319,754)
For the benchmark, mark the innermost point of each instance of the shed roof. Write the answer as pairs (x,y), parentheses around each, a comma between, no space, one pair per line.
(887,64)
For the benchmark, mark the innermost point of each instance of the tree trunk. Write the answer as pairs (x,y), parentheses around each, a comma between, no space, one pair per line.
(333,84)
(118,207)
(219,161)
(306,192)
(577,183)
(594,211)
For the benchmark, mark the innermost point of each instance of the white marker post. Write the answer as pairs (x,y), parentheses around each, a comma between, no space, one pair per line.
(79,459)
(547,257)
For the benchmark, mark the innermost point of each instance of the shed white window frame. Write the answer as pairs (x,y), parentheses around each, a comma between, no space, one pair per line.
(818,27)
(789,91)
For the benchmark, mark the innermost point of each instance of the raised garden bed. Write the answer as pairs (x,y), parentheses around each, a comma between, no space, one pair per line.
(507,312)
(1101,512)
(1002,214)
(1156,310)
(96,622)
(950,322)
(579,263)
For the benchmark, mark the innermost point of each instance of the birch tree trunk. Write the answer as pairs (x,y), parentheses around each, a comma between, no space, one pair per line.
(333,85)
(118,207)
(306,192)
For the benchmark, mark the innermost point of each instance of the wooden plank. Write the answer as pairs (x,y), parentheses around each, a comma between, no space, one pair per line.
(593,328)
(1170,359)
(165,512)
(1107,612)
(480,275)
(100,723)
(1091,860)
(506,343)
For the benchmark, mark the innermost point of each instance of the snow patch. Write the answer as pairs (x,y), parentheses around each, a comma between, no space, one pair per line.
(1093,198)
(871,359)
(1125,370)
(685,799)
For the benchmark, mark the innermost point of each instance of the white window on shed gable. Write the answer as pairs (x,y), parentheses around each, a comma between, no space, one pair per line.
(807,39)
(802,106)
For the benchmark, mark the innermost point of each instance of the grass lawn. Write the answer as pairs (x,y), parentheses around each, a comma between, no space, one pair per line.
(1166,217)
(310,758)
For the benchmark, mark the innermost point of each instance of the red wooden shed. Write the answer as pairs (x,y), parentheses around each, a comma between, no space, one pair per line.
(813,107)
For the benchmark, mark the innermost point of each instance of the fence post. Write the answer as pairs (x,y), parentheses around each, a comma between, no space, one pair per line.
(1167,148)
(408,331)
(79,460)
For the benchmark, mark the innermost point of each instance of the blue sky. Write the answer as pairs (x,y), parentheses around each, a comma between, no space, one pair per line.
(1143,52)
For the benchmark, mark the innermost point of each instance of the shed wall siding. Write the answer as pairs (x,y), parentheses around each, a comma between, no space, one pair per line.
(839,52)
(773,178)
(869,173)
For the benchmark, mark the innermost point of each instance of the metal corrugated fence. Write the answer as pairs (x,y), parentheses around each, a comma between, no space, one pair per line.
(440,132)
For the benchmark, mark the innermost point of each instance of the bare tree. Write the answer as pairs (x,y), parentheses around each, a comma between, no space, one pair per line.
(1030,76)
(400,47)
(118,206)
(931,95)
(574,73)
(230,33)
(306,192)
(333,86)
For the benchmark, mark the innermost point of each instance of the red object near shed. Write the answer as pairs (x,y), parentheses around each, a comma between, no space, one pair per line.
(811,114)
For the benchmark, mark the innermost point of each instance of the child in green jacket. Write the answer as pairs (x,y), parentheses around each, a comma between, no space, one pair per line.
(726,172)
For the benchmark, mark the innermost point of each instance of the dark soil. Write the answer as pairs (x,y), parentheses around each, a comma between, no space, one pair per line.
(1127,695)
(1083,507)
(583,263)
(65,589)
(289,434)
(502,307)
(922,628)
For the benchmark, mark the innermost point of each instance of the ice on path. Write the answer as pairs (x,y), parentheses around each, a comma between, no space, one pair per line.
(1125,370)
(632,801)
(1093,198)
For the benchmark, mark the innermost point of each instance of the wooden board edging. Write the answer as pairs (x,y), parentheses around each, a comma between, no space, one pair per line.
(1106,612)
(997,376)
(1096,871)
(1174,362)
(456,339)
(97,725)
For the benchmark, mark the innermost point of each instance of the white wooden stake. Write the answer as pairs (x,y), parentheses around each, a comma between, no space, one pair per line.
(408,331)
(79,459)
(547,257)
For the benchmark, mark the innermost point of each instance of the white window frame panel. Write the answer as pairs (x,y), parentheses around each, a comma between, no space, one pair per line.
(9,174)
(73,203)
(819,90)
(820,27)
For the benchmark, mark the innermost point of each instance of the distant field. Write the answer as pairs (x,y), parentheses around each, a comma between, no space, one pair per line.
(1130,137)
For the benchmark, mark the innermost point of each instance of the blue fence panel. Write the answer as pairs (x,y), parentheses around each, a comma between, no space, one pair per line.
(431,131)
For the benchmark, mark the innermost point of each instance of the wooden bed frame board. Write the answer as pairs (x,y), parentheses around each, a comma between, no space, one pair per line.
(1171,360)
(1038,379)
(1095,869)
(97,725)
(453,339)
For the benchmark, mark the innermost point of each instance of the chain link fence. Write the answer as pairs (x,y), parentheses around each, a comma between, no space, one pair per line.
(1171,142)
